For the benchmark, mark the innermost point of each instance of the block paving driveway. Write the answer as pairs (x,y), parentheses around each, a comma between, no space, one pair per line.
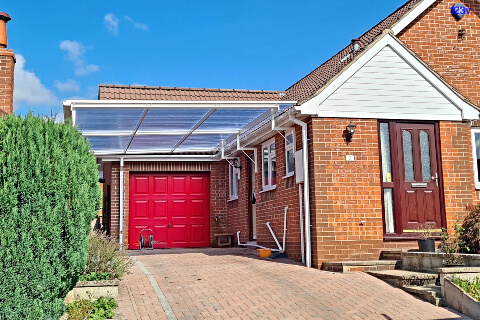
(231,283)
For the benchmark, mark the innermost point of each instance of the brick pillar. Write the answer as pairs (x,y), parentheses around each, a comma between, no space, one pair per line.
(7,67)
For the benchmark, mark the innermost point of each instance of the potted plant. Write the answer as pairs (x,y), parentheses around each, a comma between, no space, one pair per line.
(425,232)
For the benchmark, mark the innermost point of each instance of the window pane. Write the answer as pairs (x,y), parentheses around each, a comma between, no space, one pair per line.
(385,149)
(408,155)
(290,163)
(289,139)
(235,182)
(425,155)
(272,149)
(274,171)
(265,166)
(230,180)
(389,214)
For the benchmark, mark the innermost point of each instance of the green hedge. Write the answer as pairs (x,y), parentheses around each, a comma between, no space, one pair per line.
(49,194)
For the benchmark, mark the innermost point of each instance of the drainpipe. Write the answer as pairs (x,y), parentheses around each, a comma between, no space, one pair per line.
(302,238)
(306,198)
(121,203)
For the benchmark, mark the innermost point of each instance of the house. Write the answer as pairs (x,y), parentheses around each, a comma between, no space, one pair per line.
(379,140)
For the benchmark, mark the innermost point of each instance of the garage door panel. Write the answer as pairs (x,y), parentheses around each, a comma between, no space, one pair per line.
(197,185)
(197,208)
(179,209)
(134,236)
(160,233)
(160,209)
(180,200)
(140,208)
(179,234)
(197,233)
(160,185)
(179,185)
(141,185)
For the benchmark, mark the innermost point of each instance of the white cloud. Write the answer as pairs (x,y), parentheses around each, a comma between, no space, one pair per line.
(111,22)
(67,86)
(137,25)
(28,88)
(76,53)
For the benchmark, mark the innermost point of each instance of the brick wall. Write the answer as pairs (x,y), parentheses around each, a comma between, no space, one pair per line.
(457,161)
(269,205)
(345,193)
(7,67)
(217,191)
(434,37)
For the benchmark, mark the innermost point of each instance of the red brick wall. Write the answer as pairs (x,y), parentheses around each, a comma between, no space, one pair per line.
(434,37)
(269,205)
(457,161)
(217,191)
(7,67)
(345,193)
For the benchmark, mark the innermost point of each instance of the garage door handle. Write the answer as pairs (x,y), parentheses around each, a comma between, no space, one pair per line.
(169,225)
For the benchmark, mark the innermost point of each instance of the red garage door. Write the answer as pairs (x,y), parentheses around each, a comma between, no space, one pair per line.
(175,206)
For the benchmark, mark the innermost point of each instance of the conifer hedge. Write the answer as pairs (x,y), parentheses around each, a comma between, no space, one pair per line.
(49,194)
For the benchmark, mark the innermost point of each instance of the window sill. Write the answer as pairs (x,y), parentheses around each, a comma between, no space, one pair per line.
(477,187)
(289,175)
(268,189)
(232,199)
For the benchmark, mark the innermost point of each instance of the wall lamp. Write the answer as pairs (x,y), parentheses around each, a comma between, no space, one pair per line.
(350,131)
(236,164)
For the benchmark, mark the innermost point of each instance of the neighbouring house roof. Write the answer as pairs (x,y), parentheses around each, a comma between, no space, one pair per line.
(124,92)
(307,87)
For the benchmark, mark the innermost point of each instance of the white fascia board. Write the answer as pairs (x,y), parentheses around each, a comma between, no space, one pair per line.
(412,15)
(166,104)
(311,107)
(147,158)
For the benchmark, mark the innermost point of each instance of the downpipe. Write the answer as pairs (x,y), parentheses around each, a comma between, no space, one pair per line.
(121,203)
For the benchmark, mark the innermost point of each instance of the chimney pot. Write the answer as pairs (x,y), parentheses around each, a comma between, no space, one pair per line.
(4,18)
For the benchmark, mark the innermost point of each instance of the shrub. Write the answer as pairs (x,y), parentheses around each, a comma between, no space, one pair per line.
(471,224)
(49,194)
(95,310)
(471,287)
(96,276)
(105,255)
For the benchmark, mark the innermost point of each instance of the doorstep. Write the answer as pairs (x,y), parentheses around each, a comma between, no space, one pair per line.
(361,266)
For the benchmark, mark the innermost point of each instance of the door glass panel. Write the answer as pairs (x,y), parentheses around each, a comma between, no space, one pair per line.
(389,214)
(425,156)
(408,155)
(386,157)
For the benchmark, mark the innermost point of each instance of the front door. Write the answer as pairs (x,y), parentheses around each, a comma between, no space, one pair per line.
(419,176)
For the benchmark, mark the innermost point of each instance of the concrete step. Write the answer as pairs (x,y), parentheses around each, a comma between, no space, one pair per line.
(391,255)
(430,293)
(361,266)
(403,278)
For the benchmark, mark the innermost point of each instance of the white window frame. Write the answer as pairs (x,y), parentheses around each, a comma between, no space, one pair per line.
(474,151)
(233,176)
(288,148)
(271,156)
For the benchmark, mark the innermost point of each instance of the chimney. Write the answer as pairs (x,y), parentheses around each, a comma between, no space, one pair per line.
(7,68)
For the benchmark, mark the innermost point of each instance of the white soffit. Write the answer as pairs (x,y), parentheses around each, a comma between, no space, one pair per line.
(361,107)
(134,127)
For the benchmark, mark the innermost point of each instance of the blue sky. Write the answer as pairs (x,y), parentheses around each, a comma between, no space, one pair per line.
(65,49)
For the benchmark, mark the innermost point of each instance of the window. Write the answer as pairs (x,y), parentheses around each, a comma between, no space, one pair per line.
(269,166)
(233,174)
(290,152)
(387,178)
(476,155)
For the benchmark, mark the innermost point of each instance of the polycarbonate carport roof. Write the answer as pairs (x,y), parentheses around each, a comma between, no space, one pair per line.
(119,127)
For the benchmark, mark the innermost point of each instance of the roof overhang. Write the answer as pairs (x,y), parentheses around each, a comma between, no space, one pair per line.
(168,129)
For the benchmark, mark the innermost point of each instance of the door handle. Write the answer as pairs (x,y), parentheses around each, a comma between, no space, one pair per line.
(436,179)
(169,225)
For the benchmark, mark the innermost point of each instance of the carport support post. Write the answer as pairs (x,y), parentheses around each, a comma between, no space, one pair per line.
(306,198)
(120,233)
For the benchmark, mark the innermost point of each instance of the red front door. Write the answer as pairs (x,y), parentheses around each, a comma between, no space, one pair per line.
(419,176)
(174,205)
